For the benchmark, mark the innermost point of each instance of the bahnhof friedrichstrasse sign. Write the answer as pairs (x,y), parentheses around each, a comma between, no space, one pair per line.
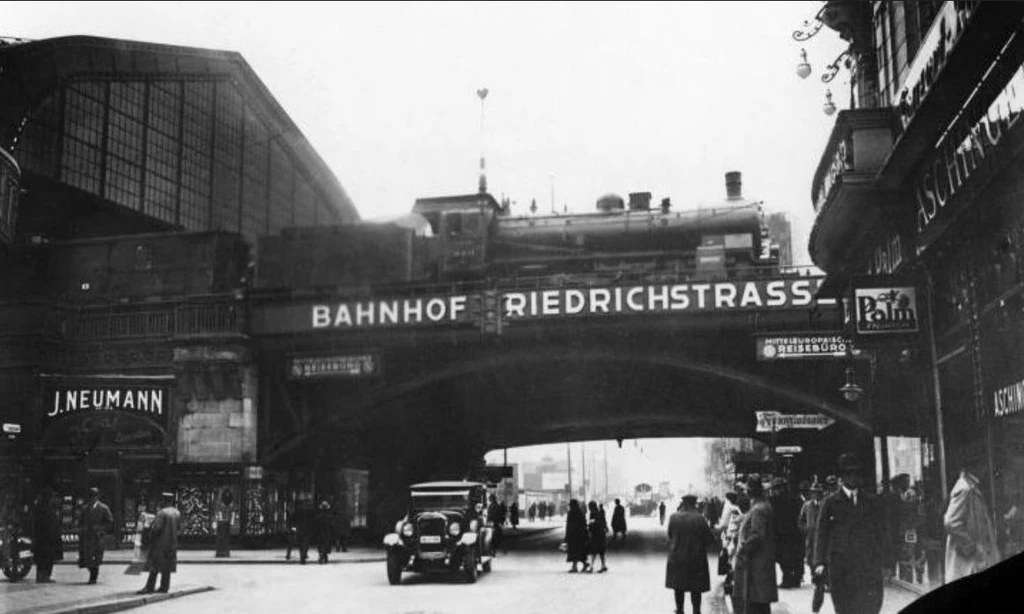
(638,300)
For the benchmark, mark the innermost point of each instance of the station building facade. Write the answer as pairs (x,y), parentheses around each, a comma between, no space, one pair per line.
(920,185)
(124,359)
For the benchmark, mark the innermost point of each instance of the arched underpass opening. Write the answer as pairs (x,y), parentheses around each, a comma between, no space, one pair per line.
(436,417)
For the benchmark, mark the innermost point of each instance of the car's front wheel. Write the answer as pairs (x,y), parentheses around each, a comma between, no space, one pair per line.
(394,569)
(469,566)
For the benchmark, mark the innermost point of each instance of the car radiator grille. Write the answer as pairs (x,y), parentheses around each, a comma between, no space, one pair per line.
(433,525)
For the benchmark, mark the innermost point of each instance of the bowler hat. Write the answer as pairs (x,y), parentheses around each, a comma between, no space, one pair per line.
(848,462)
(94,491)
(832,480)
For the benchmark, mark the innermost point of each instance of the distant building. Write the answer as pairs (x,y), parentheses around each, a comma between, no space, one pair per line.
(781,232)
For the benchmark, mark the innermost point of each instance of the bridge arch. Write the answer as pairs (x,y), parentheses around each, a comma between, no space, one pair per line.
(499,358)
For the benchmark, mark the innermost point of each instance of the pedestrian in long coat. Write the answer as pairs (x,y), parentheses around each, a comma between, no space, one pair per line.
(754,587)
(850,545)
(46,543)
(689,538)
(971,540)
(619,520)
(808,521)
(576,536)
(513,515)
(97,521)
(324,532)
(162,556)
(597,531)
(789,543)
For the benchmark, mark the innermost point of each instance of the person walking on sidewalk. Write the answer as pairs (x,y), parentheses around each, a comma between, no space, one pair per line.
(619,520)
(324,532)
(162,557)
(597,530)
(850,544)
(661,513)
(808,521)
(46,543)
(96,523)
(513,515)
(689,538)
(971,542)
(754,587)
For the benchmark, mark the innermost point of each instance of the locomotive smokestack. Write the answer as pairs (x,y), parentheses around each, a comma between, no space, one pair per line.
(733,185)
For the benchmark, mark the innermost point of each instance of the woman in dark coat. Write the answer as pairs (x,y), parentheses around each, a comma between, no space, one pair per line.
(324,531)
(576,536)
(598,532)
(689,538)
(46,543)
(619,520)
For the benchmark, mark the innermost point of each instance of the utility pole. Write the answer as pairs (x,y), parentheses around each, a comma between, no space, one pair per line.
(482,93)
(605,470)
(583,456)
(568,459)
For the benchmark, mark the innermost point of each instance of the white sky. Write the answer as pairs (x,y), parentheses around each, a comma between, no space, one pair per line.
(606,97)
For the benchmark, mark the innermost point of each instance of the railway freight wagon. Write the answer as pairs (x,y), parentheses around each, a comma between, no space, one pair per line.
(471,237)
(147,266)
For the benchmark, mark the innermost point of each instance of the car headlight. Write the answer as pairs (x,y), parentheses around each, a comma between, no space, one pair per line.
(453,529)
(407,529)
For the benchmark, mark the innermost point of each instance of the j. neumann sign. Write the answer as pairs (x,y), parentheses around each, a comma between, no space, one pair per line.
(439,310)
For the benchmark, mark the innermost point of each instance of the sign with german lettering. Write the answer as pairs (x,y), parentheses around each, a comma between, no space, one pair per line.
(885,310)
(65,400)
(783,347)
(349,365)
(1009,399)
(772,421)
(689,298)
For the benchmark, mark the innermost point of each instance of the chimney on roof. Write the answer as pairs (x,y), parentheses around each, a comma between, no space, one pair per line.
(733,185)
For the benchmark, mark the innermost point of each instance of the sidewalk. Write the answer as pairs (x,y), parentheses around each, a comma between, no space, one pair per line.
(798,600)
(272,556)
(276,556)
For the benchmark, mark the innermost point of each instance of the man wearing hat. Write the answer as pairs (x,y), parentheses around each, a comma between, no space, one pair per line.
(850,543)
(689,538)
(788,543)
(97,521)
(162,556)
(808,521)
(754,563)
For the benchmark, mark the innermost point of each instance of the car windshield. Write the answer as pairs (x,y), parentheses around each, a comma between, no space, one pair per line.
(440,500)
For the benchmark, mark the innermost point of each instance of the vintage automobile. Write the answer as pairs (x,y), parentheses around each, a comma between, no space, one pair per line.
(445,530)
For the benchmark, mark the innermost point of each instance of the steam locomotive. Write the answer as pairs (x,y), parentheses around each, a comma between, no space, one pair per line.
(473,237)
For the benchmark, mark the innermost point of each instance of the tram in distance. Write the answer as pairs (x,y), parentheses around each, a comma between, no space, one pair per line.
(472,237)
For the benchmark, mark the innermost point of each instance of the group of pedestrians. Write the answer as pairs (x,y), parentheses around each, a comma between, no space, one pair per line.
(324,526)
(158,551)
(539,510)
(586,535)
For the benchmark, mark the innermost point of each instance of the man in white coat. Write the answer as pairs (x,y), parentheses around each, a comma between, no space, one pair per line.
(971,536)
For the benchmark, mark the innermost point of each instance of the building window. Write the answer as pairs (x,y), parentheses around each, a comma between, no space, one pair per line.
(882,53)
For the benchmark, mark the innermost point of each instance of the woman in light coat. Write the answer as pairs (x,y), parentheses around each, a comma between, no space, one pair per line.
(971,535)
(755,589)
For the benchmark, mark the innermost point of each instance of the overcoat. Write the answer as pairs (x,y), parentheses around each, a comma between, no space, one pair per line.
(575,536)
(162,555)
(755,557)
(850,542)
(96,523)
(46,541)
(971,540)
(689,538)
(619,519)
(597,530)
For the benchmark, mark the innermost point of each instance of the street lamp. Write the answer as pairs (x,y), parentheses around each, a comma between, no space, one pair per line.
(829,107)
(803,69)
(851,390)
